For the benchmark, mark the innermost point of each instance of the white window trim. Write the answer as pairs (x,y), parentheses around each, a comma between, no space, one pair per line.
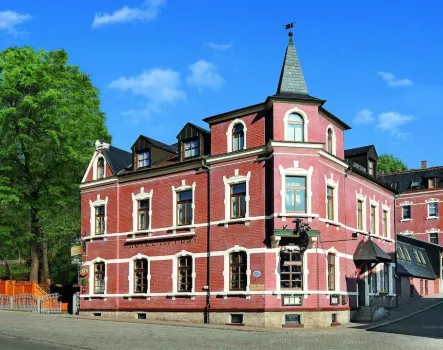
(376,204)
(135,199)
(362,198)
(92,276)
(305,122)
(428,203)
(334,251)
(334,185)
(334,139)
(98,202)
(387,209)
(175,272)
(131,274)
(175,190)
(95,167)
(305,275)
(228,182)
(229,133)
(296,171)
(226,270)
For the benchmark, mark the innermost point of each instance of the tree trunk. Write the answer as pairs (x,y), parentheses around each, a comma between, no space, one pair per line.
(8,270)
(35,256)
(44,277)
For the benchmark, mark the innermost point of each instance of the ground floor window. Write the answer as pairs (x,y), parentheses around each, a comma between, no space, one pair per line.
(291,270)
(99,278)
(141,276)
(185,274)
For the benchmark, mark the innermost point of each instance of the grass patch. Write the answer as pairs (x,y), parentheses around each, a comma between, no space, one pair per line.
(20,272)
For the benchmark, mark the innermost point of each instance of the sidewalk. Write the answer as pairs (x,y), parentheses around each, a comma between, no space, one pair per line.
(402,312)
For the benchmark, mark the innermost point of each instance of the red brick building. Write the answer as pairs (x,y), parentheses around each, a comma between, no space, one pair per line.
(203,230)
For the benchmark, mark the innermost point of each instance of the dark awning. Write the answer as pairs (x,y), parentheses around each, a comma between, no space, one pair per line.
(370,252)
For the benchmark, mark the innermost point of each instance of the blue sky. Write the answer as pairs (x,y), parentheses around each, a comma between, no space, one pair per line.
(159,64)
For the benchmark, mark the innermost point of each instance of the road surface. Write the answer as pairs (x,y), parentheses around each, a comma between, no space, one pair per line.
(20,330)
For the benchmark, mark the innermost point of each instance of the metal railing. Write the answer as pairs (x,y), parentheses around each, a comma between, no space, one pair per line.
(28,302)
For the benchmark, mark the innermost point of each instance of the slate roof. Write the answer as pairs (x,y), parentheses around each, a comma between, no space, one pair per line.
(370,252)
(404,179)
(291,76)
(117,158)
(352,152)
(413,268)
(198,128)
(160,145)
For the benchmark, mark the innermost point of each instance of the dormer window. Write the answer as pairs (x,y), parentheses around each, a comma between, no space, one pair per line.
(415,184)
(432,183)
(295,128)
(143,159)
(101,168)
(190,148)
(238,137)
(371,167)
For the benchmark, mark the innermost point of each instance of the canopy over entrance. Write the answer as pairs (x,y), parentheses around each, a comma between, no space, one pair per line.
(370,252)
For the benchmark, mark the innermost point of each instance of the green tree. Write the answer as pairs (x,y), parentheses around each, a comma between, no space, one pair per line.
(388,164)
(50,118)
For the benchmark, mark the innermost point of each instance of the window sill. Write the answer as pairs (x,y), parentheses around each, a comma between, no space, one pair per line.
(181,295)
(226,223)
(146,296)
(432,218)
(183,228)
(235,324)
(162,237)
(293,326)
(405,220)
(95,237)
(243,293)
(333,223)
(297,215)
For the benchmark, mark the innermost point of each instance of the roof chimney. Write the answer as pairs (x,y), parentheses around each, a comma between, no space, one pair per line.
(424,164)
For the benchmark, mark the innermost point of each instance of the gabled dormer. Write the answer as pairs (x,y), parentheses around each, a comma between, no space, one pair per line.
(147,152)
(364,158)
(193,142)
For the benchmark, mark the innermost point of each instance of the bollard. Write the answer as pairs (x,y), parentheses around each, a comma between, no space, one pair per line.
(38,305)
(11,303)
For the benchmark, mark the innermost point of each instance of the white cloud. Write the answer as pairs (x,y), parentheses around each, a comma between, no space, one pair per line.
(158,86)
(9,20)
(391,121)
(147,12)
(218,47)
(364,117)
(204,74)
(391,80)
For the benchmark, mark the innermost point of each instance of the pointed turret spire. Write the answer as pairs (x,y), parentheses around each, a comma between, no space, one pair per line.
(291,77)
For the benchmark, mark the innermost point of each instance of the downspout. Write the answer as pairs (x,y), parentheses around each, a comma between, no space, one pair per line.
(395,253)
(208,244)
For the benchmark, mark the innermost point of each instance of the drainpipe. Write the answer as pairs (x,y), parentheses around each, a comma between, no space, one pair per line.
(395,254)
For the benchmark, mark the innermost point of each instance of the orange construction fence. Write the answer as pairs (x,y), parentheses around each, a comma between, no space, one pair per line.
(12,288)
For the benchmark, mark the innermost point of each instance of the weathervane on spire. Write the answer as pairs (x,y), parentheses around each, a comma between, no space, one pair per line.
(290,26)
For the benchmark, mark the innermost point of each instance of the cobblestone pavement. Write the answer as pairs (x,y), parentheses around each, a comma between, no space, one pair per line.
(38,332)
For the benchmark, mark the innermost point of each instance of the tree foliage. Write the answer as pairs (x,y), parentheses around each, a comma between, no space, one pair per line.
(388,164)
(50,118)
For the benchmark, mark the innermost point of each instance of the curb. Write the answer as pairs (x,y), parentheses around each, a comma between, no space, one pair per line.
(404,317)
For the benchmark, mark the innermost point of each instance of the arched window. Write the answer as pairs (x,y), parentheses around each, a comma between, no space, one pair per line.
(329,149)
(238,137)
(141,276)
(237,271)
(295,128)
(101,168)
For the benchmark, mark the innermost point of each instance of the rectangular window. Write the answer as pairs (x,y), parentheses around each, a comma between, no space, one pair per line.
(292,319)
(295,132)
(386,277)
(184,207)
(385,223)
(330,199)
(432,210)
(238,200)
(373,281)
(237,271)
(143,214)
(237,318)
(331,271)
(433,238)
(406,212)
(433,183)
(373,226)
(190,148)
(141,276)
(415,183)
(100,220)
(185,274)
(291,270)
(400,253)
(371,167)
(295,200)
(359,215)
(143,159)
(417,257)
(99,278)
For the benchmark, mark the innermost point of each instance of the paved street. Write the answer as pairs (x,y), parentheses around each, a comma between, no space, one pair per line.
(426,324)
(38,332)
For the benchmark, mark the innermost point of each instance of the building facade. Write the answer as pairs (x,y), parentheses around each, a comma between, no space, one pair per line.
(203,230)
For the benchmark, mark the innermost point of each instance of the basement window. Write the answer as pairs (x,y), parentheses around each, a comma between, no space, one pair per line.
(334,318)
(292,319)
(141,316)
(237,318)
(97,314)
